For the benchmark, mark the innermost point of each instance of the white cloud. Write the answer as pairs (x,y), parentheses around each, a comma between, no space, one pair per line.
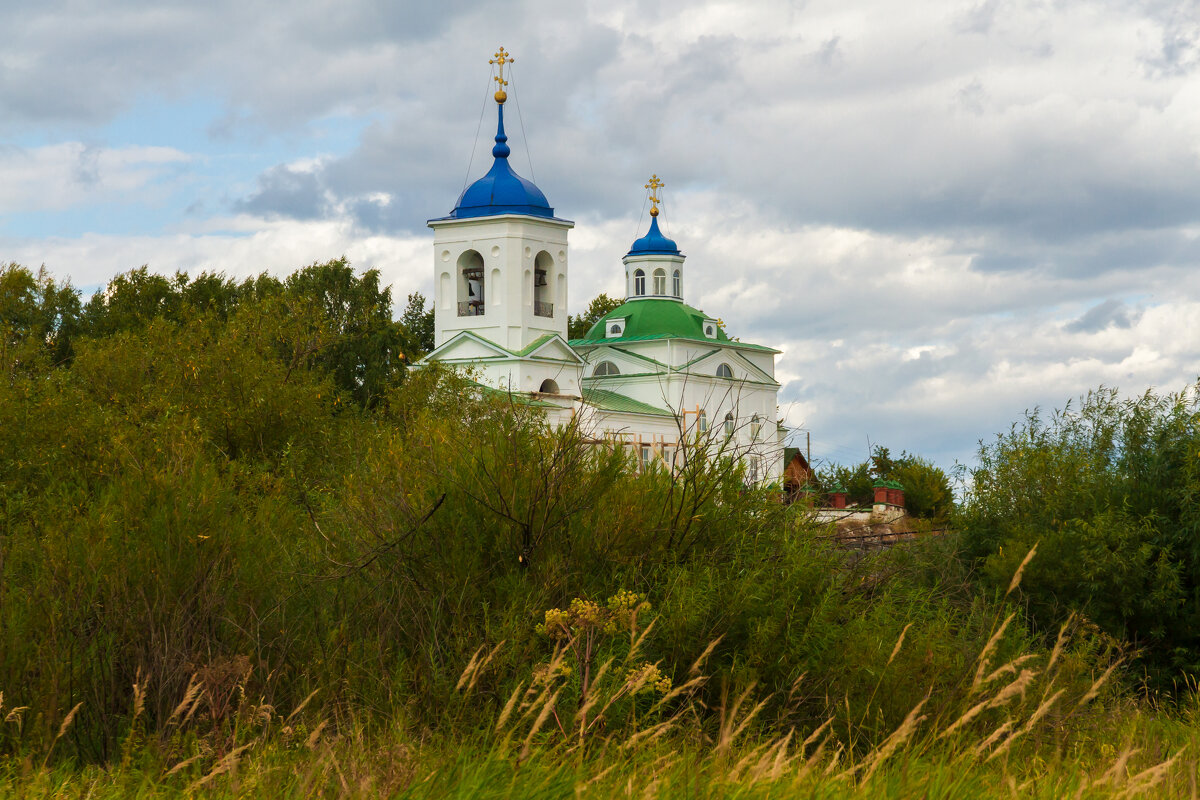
(61,176)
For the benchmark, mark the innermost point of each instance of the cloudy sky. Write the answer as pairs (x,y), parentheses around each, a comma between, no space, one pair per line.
(942,213)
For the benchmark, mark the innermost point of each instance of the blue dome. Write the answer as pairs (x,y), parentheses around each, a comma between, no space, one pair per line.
(654,243)
(501,191)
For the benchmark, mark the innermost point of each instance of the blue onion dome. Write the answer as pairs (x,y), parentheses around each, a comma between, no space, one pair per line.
(501,191)
(654,243)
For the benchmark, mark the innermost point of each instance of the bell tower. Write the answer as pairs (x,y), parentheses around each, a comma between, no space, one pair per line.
(500,256)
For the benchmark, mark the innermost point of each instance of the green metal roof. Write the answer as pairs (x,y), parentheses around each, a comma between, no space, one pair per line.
(611,401)
(534,345)
(654,317)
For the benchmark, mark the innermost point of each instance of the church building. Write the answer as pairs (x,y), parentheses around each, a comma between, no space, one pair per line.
(654,374)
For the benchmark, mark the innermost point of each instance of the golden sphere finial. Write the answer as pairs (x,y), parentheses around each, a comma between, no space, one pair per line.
(654,211)
(501,96)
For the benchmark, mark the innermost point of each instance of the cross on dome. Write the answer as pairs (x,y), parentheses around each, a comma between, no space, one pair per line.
(500,59)
(654,185)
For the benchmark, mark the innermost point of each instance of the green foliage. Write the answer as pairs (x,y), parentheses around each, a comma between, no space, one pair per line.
(37,316)
(417,322)
(1109,492)
(927,493)
(252,494)
(577,327)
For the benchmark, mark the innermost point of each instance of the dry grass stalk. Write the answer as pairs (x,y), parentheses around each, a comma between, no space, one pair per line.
(892,742)
(985,656)
(187,762)
(300,707)
(1040,712)
(896,649)
(637,643)
(1017,686)
(992,738)
(15,714)
(190,694)
(311,742)
(812,737)
(1095,688)
(648,734)
(1016,578)
(1150,777)
(509,706)
(62,729)
(470,674)
(1115,775)
(1059,642)
(226,764)
(1011,666)
(682,688)
(547,707)
(699,662)
(139,695)
(730,728)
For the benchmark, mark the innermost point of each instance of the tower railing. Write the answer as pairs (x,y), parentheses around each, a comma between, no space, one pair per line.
(470,308)
(541,309)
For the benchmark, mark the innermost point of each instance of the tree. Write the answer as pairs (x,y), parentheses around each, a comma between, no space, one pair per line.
(359,343)
(578,327)
(417,322)
(1108,494)
(37,312)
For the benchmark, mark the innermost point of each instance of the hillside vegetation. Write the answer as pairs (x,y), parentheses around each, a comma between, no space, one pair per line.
(246,551)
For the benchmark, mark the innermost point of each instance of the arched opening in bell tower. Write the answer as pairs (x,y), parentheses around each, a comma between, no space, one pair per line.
(470,284)
(543,296)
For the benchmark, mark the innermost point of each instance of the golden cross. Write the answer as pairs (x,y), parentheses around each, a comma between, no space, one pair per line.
(501,58)
(654,185)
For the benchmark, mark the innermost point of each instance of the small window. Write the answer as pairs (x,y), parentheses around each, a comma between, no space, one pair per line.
(755,426)
(710,328)
(724,371)
(548,387)
(754,467)
(660,281)
(647,455)
(615,328)
(639,282)
(729,425)
(702,422)
(676,284)
(605,368)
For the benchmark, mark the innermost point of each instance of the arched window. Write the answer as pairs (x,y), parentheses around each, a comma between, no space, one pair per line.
(615,330)
(548,386)
(470,284)
(755,426)
(639,282)
(676,284)
(543,267)
(702,422)
(660,281)
(724,371)
(605,368)
(729,425)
